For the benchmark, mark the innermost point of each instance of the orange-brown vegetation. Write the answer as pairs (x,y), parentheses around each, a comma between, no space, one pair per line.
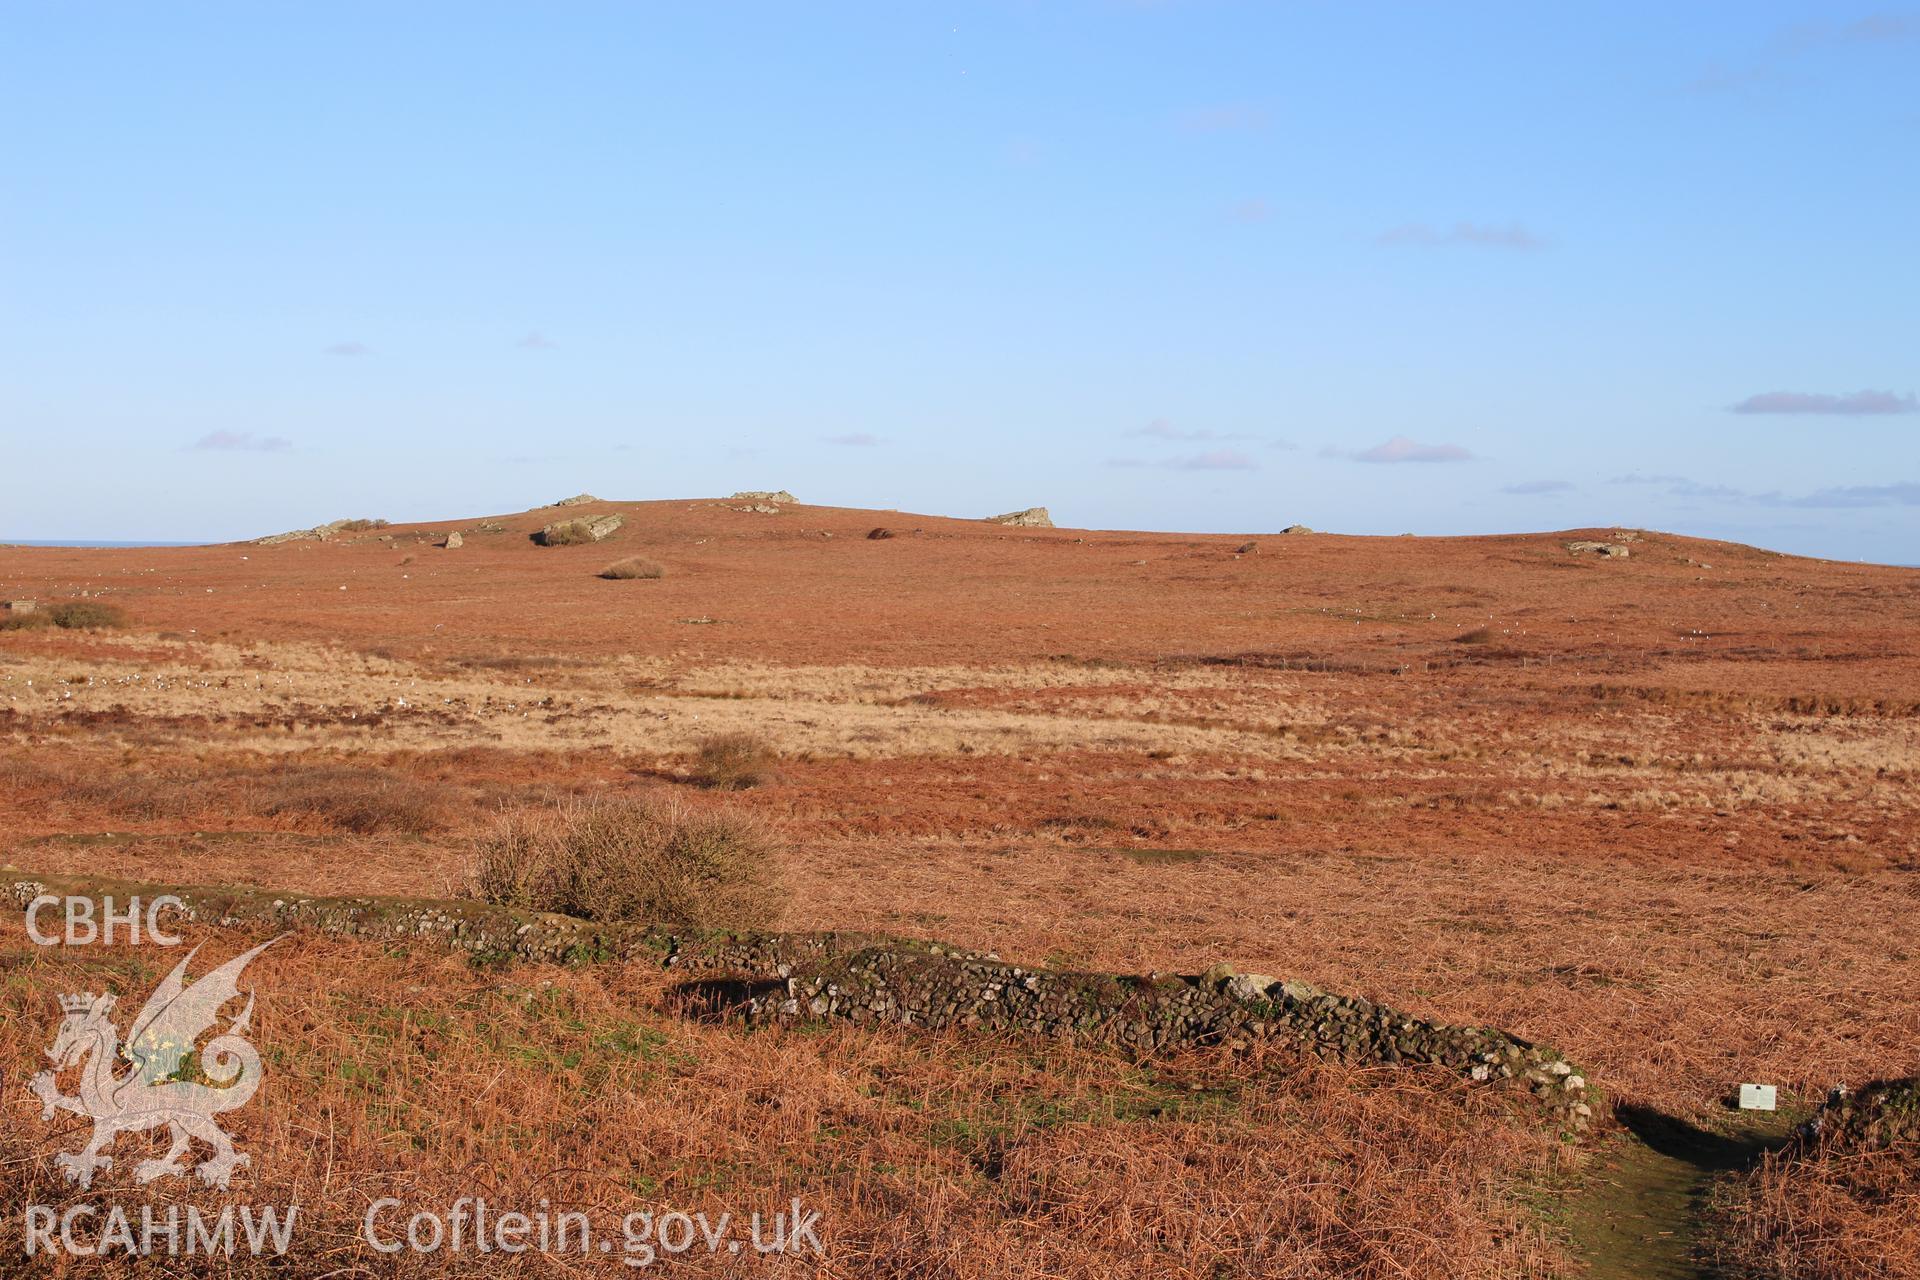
(1660,812)
(653,860)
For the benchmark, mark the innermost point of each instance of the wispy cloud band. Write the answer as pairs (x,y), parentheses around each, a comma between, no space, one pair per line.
(1846,404)
(1401,449)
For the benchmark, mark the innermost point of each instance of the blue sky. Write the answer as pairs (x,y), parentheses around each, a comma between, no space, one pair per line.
(1206,266)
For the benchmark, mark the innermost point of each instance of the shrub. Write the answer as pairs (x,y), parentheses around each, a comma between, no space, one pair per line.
(361,526)
(11,621)
(734,761)
(84,615)
(568,533)
(633,567)
(658,861)
(1479,635)
(363,801)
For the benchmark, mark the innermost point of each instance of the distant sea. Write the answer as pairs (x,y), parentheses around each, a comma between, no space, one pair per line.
(90,542)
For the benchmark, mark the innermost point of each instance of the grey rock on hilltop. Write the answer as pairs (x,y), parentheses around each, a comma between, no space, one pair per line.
(319,533)
(777,497)
(577,500)
(1031,518)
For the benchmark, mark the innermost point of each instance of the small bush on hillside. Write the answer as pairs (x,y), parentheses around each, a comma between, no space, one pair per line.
(734,761)
(571,533)
(362,526)
(1479,635)
(657,861)
(11,621)
(633,567)
(361,801)
(85,615)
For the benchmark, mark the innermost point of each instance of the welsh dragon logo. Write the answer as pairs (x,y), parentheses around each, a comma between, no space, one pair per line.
(148,1095)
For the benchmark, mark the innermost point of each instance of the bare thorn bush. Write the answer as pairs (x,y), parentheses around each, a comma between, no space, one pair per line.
(734,761)
(653,860)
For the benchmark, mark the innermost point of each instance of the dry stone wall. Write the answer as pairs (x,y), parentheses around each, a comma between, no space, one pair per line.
(872,979)
(1874,1115)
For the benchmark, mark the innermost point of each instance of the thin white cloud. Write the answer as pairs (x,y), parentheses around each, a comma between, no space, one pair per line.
(854,439)
(1683,487)
(349,349)
(1846,404)
(1161,429)
(1836,497)
(536,341)
(1471,234)
(1536,488)
(241,442)
(1877,28)
(1855,495)
(1401,449)
(1212,460)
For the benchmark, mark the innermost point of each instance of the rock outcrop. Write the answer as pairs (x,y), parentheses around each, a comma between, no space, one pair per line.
(1031,518)
(319,533)
(1606,550)
(577,500)
(774,497)
(454,541)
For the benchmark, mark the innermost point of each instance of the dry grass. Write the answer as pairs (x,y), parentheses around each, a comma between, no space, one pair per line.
(417,1076)
(655,860)
(633,567)
(329,796)
(356,799)
(1824,1214)
(734,761)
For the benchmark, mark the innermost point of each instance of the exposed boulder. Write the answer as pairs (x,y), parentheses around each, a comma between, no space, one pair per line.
(875,535)
(1296,528)
(775,497)
(568,533)
(1031,518)
(454,541)
(577,500)
(1606,550)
